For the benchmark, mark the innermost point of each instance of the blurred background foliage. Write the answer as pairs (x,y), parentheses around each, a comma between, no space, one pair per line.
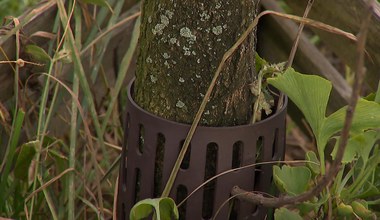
(14,7)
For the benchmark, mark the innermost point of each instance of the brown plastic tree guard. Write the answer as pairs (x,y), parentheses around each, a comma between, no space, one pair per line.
(151,148)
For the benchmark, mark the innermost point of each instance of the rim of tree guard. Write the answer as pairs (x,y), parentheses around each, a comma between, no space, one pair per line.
(147,137)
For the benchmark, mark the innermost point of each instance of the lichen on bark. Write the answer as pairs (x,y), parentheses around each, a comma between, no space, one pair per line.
(181,45)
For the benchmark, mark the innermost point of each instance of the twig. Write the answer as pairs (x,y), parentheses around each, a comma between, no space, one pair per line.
(241,168)
(294,50)
(296,41)
(336,165)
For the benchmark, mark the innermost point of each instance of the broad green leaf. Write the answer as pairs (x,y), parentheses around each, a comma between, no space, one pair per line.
(141,210)
(310,93)
(292,180)
(37,53)
(168,208)
(368,190)
(349,153)
(358,146)
(312,157)
(286,214)
(367,115)
(164,208)
(366,174)
(25,157)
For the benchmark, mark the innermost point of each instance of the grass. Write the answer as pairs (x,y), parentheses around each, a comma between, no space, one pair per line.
(60,144)
(60,132)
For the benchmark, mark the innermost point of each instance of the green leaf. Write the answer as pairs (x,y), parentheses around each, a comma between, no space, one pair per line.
(344,210)
(368,190)
(286,214)
(313,166)
(377,97)
(312,205)
(6,164)
(37,53)
(360,208)
(164,208)
(310,93)
(358,146)
(24,159)
(260,62)
(370,97)
(168,208)
(367,116)
(292,180)
(141,210)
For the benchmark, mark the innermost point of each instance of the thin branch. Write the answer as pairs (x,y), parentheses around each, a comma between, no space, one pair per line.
(294,50)
(336,165)
(296,41)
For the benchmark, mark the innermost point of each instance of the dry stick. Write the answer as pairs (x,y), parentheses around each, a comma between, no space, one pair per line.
(294,50)
(227,55)
(241,168)
(300,28)
(336,165)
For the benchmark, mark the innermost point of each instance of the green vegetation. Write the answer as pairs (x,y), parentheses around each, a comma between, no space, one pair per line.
(356,187)
(14,8)
(58,144)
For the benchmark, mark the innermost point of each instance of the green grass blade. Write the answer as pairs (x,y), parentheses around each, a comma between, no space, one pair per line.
(86,89)
(100,17)
(10,154)
(82,78)
(49,200)
(125,63)
(101,49)
(73,128)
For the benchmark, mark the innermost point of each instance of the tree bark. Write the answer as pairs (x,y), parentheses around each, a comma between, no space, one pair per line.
(181,45)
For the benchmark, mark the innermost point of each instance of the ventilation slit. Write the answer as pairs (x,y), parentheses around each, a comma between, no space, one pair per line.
(275,148)
(137,185)
(186,160)
(209,188)
(237,154)
(158,165)
(141,139)
(181,195)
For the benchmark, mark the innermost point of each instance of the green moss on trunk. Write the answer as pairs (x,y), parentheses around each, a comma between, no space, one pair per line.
(181,45)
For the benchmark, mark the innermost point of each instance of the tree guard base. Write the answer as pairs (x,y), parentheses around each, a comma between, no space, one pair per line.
(151,148)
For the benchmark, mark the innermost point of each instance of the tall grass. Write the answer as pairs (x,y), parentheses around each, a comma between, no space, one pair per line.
(61,129)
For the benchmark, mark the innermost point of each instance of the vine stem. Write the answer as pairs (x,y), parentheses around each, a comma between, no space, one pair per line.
(225,57)
(336,165)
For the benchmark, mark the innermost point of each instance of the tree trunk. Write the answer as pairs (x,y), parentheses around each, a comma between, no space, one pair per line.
(181,45)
